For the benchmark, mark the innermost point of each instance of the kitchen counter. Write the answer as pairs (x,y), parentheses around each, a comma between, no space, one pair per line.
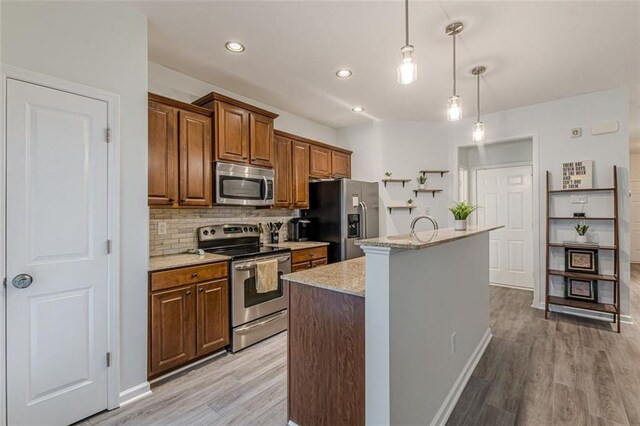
(425,239)
(345,277)
(293,245)
(157,263)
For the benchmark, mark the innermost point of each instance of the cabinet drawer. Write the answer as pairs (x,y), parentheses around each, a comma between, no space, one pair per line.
(318,262)
(306,255)
(295,267)
(189,275)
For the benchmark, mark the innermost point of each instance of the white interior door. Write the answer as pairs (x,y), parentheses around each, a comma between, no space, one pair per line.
(505,195)
(56,233)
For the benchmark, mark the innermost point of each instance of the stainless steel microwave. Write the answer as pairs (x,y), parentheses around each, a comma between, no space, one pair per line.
(244,185)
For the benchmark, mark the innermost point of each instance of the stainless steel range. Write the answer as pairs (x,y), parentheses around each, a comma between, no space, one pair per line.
(255,314)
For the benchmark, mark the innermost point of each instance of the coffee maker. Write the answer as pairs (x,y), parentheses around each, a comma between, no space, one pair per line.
(299,229)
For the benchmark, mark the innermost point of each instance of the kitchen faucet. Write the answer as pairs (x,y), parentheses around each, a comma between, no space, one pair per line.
(414,221)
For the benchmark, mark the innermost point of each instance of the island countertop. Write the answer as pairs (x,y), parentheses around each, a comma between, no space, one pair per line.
(425,239)
(345,277)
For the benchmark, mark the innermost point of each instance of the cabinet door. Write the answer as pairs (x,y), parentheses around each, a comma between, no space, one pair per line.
(261,136)
(340,164)
(163,154)
(282,195)
(232,133)
(300,175)
(172,328)
(300,266)
(212,310)
(319,161)
(195,159)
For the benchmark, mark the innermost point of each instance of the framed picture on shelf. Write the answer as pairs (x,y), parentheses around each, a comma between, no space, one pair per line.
(577,175)
(583,260)
(581,289)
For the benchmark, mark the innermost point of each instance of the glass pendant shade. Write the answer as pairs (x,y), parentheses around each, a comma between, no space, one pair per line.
(478,131)
(407,70)
(454,108)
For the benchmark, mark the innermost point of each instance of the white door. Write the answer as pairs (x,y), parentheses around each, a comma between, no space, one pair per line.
(505,195)
(635,221)
(56,233)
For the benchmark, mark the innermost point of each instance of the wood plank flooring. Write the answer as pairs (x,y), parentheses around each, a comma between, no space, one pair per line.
(562,371)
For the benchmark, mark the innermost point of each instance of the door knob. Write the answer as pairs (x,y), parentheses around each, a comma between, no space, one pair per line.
(22,280)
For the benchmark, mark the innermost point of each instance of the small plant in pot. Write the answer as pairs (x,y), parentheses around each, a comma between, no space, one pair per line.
(581,233)
(422,182)
(461,212)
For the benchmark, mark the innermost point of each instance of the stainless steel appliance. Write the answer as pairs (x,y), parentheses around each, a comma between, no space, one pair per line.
(342,212)
(299,229)
(244,185)
(254,316)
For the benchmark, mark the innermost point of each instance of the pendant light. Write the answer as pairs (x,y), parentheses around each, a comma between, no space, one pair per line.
(407,70)
(454,104)
(478,126)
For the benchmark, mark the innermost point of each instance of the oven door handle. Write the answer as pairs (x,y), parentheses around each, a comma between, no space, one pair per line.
(248,265)
(266,187)
(261,323)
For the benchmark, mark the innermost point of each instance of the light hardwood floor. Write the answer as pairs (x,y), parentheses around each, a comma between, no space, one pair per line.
(565,370)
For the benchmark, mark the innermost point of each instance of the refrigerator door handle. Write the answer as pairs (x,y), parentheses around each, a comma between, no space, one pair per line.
(364,218)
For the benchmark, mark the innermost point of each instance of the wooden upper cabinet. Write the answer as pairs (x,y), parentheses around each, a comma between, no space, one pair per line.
(261,136)
(232,133)
(319,162)
(163,154)
(172,331)
(195,159)
(283,166)
(212,310)
(300,175)
(340,164)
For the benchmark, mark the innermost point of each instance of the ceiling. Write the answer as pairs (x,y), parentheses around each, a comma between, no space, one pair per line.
(534,52)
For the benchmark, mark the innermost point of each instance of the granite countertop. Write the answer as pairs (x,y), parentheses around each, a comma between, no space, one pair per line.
(298,245)
(157,263)
(424,239)
(346,277)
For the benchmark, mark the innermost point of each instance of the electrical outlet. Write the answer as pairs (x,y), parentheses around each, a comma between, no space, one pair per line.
(162,228)
(453,343)
(427,210)
(579,199)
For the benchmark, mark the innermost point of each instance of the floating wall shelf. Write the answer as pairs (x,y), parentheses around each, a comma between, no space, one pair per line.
(433,191)
(403,181)
(405,207)
(580,218)
(434,172)
(560,191)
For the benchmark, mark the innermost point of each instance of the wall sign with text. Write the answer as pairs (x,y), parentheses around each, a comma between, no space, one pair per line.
(577,175)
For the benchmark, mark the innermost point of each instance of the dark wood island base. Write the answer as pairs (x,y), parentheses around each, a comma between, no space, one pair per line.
(326,370)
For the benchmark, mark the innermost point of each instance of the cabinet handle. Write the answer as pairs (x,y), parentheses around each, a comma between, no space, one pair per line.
(244,158)
(188,292)
(200,289)
(182,200)
(194,275)
(171,200)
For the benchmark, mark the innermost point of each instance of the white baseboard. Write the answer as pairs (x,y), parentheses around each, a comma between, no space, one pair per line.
(515,287)
(625,319)
(135,393)
(451,400)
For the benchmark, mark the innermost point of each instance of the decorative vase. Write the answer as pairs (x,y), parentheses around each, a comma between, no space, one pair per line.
(581,238)
(421,186)
(460,225)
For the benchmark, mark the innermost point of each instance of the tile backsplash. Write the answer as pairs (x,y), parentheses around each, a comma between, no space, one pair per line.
(182,224)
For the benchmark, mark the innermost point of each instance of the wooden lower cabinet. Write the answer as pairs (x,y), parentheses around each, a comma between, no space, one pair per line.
(308,258)
(187,319)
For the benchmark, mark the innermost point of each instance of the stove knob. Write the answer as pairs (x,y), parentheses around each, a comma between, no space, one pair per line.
(245,229)
(251,228)
(213,231)
(205,232)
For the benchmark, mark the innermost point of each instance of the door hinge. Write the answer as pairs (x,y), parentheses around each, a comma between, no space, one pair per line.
(108,135)
(108,246)
(108,359)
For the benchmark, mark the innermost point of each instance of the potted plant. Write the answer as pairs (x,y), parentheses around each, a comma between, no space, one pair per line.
(422,182)
(461,212)
(581,230)
(387,175)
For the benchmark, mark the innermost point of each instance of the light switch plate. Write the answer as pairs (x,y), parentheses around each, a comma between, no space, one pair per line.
(162,228)
(579,199)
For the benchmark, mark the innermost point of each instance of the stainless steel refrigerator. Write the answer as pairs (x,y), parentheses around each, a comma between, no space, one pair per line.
(343,211)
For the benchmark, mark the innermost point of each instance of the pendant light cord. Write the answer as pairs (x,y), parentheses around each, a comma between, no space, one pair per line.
(406,22)
(478,92)
(454,64)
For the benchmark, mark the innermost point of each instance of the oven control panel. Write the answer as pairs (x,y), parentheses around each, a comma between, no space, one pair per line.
(217,232)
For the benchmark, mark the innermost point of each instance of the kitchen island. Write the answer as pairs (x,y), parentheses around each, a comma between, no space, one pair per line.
(426,325)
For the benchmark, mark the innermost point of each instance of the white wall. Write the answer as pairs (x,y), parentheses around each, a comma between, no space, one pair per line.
(102,45)
(173,84)
(408,146)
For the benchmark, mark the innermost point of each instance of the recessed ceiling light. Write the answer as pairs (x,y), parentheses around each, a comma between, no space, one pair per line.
(234,46)
(357,109)
(343,73)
